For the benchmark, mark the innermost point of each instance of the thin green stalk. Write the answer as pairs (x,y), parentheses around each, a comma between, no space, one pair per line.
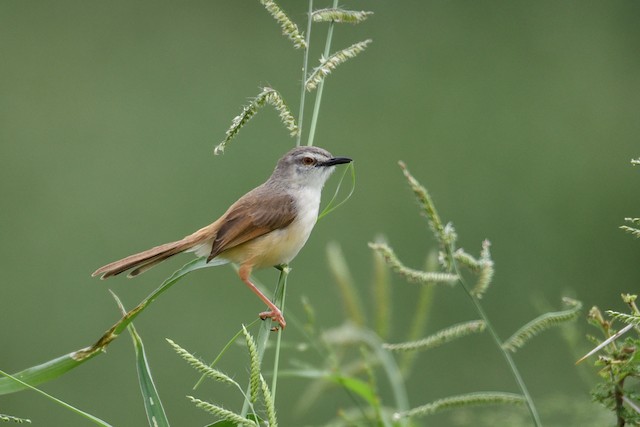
(305,65)
(276,361)
(498,341)
(265,329)
(316,106)
(88,416)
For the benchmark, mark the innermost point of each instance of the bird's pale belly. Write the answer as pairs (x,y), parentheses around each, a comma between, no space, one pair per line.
(274,248)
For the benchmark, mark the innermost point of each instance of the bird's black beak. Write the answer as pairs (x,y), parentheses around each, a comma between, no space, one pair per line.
(336,161)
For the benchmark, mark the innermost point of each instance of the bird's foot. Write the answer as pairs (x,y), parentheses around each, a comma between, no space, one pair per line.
(276,316)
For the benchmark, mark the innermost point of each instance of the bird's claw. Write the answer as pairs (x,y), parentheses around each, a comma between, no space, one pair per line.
(276,316)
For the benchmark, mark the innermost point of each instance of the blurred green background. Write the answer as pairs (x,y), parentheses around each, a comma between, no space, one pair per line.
(519,117)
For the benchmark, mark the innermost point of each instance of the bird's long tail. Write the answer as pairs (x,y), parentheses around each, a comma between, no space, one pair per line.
(145,260)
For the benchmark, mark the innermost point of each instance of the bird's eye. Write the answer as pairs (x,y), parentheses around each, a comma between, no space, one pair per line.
(308,161)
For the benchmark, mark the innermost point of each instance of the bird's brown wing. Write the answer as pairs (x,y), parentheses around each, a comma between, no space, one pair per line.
(252,217)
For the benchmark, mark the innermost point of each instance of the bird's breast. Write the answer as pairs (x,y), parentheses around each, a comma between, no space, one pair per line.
(282,245)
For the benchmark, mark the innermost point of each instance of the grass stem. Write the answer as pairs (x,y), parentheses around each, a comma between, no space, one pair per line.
(316,106)
(512,365)
(305,65)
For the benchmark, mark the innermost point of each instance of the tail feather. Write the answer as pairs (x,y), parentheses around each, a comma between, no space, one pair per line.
(152,262)
(144,260)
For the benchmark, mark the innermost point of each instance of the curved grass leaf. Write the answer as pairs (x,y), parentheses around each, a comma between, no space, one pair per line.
(151,399)
(57,367)
(359,387)
(45,372)
(352,304)
(152,403)
(330,206)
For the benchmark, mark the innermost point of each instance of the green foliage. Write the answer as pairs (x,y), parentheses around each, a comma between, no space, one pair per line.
(618,363)
(618,360)
(353,357)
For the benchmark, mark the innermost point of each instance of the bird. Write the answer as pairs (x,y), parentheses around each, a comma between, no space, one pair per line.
(266,227)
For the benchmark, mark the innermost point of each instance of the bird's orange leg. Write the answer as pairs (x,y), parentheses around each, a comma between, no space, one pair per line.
(275,314)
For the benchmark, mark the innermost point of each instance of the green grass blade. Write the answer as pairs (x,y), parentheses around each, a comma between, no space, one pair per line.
(382,295)
(330,206)
(351,302)
(44,372)
(421,315)
(152,403)
(357,386)
(86,415)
